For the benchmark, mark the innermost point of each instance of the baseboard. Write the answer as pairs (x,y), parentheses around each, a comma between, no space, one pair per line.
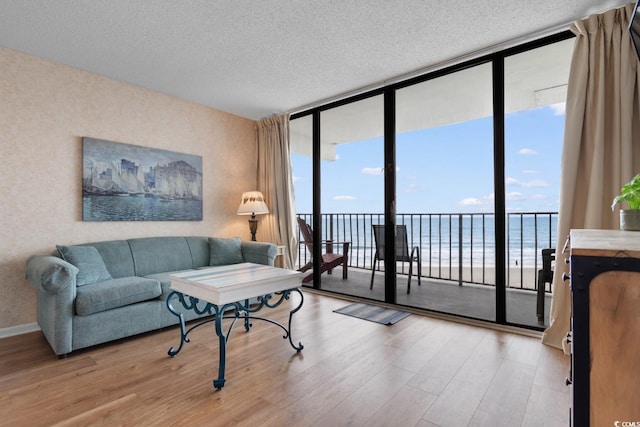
(19,330)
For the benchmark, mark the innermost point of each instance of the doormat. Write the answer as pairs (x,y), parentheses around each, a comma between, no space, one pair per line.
(384,316)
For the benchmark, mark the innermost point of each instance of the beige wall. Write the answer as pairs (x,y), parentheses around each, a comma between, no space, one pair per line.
(45,110)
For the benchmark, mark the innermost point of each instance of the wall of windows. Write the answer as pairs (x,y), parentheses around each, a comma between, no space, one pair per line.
(467,159)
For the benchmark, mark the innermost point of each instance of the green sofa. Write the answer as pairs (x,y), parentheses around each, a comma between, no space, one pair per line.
(98,292)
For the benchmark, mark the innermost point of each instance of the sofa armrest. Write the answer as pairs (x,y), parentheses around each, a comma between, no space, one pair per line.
(55,283)
(259,252)
(50,273)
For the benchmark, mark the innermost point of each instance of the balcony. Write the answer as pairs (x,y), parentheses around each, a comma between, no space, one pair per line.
(458,261)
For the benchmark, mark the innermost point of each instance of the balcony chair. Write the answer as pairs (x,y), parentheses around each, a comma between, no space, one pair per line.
(544,276)
(329,260)
(402,251)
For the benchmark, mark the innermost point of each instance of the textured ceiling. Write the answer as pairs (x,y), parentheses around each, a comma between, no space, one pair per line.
(257,58)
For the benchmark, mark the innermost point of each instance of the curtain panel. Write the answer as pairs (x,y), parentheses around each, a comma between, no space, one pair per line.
(275,181)
(601,149)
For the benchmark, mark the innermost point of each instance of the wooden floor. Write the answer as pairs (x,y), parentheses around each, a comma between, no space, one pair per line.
(421,371)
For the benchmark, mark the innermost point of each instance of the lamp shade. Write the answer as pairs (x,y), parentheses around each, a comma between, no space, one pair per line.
(252,203)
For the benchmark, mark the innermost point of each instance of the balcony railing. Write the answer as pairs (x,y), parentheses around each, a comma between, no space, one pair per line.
(457,247)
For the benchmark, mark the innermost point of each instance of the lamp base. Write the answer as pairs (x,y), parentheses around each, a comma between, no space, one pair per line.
(253,227)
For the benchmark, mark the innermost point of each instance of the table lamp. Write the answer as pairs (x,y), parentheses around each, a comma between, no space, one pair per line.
(252,203)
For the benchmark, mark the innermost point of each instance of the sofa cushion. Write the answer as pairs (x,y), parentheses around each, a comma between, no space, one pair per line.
(199,247)
(88,261)
(225,251)
(257,253)
(165,281)
(117,256)
(114,293)
(159,254)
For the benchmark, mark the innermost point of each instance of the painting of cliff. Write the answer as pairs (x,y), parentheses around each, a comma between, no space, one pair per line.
(123,182)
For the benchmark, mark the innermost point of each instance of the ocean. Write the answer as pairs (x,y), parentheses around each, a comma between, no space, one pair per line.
(448,239)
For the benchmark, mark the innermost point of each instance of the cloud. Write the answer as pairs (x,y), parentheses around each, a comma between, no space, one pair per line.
(528,152)
(538,197)
(413,188)
(537,183)
(513,196)
(531,172)
(470,201)
(373,171)
(511,181)
(486,202)
(559,109)
(478,204)
(344,198)
(534,183)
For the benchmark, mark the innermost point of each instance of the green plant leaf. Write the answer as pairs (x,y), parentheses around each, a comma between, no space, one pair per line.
(630,193)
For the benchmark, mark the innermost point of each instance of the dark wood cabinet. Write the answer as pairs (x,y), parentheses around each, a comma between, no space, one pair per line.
(605,323)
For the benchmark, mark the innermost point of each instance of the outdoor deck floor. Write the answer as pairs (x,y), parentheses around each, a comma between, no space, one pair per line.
(469,300)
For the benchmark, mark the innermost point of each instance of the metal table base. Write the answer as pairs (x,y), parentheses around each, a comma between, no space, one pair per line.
(235,310)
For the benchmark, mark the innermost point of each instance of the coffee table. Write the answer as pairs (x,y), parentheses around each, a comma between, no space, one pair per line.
(225,293)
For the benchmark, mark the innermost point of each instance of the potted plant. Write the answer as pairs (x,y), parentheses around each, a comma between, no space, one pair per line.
(630,193)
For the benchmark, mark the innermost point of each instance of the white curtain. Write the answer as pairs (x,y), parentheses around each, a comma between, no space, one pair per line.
(601,148)
(275,181)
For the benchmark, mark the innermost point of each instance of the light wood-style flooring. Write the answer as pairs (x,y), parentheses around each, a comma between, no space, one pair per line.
(422,371)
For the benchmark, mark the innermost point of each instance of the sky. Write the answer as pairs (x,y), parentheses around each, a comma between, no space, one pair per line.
(447,169)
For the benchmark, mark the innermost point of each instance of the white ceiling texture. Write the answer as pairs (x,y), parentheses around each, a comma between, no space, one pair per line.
(255,58)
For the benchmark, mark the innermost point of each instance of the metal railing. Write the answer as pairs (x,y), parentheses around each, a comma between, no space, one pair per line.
(456,247)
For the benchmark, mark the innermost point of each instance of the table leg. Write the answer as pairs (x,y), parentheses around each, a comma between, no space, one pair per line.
(299,347)
(183,334)
(222,340)
(247,323)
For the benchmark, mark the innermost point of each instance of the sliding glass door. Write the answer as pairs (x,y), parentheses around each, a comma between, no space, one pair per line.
(444,190)
(535,88)
(351,191)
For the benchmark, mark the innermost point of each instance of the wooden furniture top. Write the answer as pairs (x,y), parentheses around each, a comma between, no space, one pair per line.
(609,243)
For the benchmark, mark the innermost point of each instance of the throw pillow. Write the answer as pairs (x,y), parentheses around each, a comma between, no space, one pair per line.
(88,261)
(224,251)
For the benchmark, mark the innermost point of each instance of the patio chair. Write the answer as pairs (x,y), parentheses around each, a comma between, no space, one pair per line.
(329,260)
(402,251)
(544,276)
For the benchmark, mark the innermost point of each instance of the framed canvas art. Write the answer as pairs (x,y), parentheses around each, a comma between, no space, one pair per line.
(123,182)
